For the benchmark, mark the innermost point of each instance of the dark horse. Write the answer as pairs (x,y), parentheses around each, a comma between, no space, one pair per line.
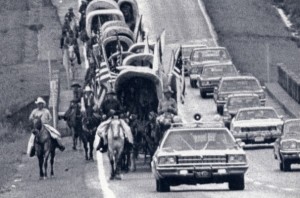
(45,146)
(74,119)
(89,125)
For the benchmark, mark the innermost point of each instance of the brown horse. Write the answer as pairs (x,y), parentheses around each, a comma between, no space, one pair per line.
(116,140)
(45,146)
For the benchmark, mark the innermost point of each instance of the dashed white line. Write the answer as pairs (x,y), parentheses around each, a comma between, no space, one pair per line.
(257,183)
(271,186)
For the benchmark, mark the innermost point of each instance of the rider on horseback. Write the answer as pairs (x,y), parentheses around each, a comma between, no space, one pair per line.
(110,107)
(70,15)
(71,40)
(77,94)
(166,107)
(45,116)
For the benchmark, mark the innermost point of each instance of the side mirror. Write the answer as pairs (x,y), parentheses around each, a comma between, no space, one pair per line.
(281,117)
(240,143)
(263,87)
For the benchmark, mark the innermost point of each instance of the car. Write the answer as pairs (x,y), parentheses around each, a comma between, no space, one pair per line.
(237,101)
(200,154)
(287,146)
(211,75)
(202,56)
(257,125)
(237,84)
(186,54)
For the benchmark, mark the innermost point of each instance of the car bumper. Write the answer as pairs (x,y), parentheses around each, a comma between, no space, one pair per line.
(199,172)
(257,137)
(293,156)
(207,89)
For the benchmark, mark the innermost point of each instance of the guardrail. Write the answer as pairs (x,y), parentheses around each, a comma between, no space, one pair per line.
(289,81)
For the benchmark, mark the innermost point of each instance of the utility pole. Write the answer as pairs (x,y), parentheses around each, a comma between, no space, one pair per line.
(268,61)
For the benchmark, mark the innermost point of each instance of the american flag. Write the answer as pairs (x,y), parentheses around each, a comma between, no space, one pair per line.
(178,71)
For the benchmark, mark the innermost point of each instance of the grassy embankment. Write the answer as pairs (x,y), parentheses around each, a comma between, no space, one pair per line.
(246,28)
(28,30)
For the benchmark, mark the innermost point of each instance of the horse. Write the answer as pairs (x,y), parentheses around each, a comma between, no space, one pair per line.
(44,146)
(89,126)
(74,25)
(71,59)
(116,141)
(74,122)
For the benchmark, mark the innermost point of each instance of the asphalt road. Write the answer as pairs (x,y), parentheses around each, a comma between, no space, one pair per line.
(77,178)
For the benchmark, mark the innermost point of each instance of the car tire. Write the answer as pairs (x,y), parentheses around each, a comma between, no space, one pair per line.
(162,186)
(236,182)
(203,94)
(286,166)
(281,166)
(220,110)
(191,83)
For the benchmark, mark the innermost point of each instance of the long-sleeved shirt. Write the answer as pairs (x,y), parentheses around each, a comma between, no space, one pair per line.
(44,114)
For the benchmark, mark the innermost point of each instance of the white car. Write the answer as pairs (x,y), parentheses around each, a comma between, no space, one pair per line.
(257,125)
(199,155)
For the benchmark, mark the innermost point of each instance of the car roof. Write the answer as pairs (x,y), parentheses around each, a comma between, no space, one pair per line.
(256,108)
(200,46)
(210,48)
(242,95)
(218,64)
(183,129)
(237,78)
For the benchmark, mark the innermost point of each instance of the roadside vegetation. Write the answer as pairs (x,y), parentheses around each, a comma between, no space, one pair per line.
(248,29)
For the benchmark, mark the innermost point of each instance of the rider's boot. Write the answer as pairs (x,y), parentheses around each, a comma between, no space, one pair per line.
(60,145)
(102,147)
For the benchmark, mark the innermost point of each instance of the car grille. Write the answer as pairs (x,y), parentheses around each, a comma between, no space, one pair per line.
(256,129)
(201,159)
(214,82)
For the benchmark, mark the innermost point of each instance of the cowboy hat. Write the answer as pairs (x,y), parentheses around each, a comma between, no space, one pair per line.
(87,89)
(70,9)
(40,100)
(75,84)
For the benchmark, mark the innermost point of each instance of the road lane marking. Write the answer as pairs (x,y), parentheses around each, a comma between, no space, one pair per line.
(288,189)
(107,192)
(208,22)
(271,186)
(257,183)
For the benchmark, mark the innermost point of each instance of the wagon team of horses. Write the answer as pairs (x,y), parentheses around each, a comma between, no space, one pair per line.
(139,87)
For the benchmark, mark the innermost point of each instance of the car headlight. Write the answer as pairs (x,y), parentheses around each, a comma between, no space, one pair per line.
(286,145)
(279,127)
(262,95)
(167,160)
(205,83)
(237,129)
(236,158)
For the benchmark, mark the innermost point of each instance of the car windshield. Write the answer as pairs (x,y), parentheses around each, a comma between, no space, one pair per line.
(242,101)
(199,140)
(201,55)
(292,128)
(256,114)
(239,85)
(219,70)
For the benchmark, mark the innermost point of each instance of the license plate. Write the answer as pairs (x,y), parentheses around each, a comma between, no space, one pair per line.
(259,139)
(203,174)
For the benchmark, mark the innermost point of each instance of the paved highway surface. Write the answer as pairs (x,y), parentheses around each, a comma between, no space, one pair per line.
(77,178)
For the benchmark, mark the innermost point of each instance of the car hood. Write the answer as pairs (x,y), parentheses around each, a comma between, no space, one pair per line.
(237,151)
(210,78)
(290,137)
(257,123)
(239,91)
